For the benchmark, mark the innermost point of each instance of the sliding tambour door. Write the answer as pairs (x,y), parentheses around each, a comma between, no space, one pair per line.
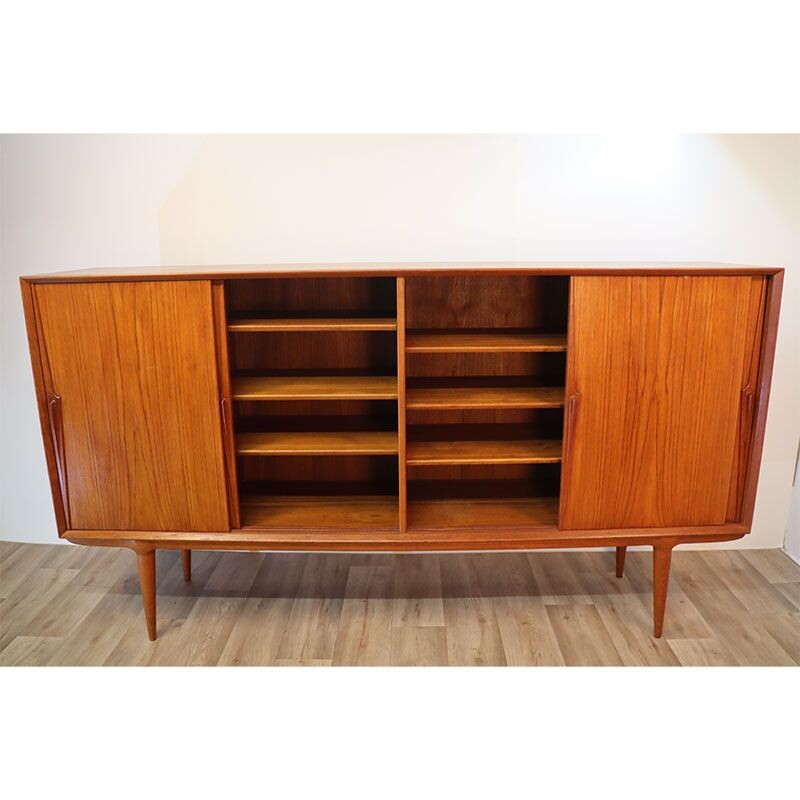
(131,381)
(659,401)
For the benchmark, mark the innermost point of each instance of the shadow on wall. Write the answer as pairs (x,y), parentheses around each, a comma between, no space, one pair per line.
(253,199)
(773,163)
(250,199)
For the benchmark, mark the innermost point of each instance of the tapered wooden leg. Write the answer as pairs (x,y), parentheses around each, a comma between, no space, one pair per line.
(186,560)
(621,560)
(662,557)
(147,581)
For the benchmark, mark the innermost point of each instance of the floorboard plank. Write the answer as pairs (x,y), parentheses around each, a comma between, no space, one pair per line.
(365,627)
(66,605)
(471,627)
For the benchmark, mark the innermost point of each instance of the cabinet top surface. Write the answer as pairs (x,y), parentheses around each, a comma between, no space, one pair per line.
(390,269)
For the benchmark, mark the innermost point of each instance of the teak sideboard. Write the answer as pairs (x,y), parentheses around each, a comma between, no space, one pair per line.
(403,407)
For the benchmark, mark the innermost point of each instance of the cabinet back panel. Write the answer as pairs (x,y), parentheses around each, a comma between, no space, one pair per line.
(135,367)
(377,471)
(310,297)
(487,301)
(655,379)
(343,352)
(540,480)
(548,368)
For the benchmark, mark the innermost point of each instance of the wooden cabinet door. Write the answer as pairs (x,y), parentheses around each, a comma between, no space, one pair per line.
(131,381)
(660,380)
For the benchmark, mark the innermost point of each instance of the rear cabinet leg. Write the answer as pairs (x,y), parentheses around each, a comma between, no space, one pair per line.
(662,558)
(621,561)
(186,560)
(147,581)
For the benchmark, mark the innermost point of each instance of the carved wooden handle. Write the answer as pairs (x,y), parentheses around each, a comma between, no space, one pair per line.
(224,411)
(57,436)
(573,406)
(746,426)
(747,401)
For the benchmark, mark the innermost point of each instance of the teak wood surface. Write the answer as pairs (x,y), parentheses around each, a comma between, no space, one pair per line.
(367,387)
(659,373)
(270,408)
(130,375)
(313,443)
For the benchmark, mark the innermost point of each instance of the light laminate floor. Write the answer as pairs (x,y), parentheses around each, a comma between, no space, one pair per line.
(65,605)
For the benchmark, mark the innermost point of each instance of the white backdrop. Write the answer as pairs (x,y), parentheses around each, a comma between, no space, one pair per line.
(79,201)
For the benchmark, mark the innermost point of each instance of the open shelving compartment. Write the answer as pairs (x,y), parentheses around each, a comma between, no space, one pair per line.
(486,369)
(314,388)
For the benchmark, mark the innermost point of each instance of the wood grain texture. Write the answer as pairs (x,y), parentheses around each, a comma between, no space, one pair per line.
(654,388)
(484,342)
(485,397)
(469,514)
(134,366)
(367,512)
(147,586)
(325,324)
(521,451)
(272,609)
(225,399)
(662,560)
(301,536)
(312,297)
(348,387)
(761,401)
(747,406)
(317,443)
(402,431)
(41,381)
(490,341)
(241,272)
(466,302)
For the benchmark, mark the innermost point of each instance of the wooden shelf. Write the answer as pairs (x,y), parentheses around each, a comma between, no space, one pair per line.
(531,512)
(484,341)
(329,423)
(349,387)
(525,451)
(357,512)
(316,443)
(485,397)
(332,324)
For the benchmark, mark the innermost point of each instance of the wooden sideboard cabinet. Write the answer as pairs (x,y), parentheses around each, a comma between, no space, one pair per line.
(403,407)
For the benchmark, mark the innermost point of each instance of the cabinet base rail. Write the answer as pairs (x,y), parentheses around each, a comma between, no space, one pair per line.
(146,557)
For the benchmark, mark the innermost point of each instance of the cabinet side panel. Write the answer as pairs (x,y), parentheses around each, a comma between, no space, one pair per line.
(41,382)
(747,411)
(772,307)
(134,366)
(655,379)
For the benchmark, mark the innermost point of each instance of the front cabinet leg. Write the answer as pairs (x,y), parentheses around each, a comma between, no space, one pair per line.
(186,560)
(621,561)
(662,558)
(147,581)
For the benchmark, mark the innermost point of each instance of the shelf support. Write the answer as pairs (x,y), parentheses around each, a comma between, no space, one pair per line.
(662,558)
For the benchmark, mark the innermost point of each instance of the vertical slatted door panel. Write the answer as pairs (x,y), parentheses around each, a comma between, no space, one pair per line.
(656,367)
(132,368)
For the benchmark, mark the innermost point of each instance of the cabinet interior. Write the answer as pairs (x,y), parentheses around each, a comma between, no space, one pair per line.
(317,396)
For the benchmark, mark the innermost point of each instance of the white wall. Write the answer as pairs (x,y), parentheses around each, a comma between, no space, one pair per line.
(78,201)
(792,542)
